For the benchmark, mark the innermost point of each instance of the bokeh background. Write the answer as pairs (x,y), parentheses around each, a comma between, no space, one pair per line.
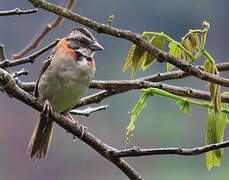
(161,124)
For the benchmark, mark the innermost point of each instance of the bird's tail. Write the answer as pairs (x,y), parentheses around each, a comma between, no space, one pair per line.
(41,138)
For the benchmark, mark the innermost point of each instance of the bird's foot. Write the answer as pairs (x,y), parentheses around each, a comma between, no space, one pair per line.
(47,108)
(84,129)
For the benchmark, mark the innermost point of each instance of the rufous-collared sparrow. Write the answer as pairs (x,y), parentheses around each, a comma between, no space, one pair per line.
(64,77)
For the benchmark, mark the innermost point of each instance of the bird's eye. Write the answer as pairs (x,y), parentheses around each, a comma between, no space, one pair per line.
(84,42)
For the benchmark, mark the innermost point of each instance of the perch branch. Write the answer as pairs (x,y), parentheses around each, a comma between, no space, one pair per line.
(134,38)
(9,85)
(37,41)
(17,11)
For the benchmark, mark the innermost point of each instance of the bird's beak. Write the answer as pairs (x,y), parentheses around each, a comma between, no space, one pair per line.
(96,46)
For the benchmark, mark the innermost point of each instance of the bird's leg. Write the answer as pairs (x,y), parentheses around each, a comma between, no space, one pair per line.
(70,117)
(72,120)
(47,109)
(82,127)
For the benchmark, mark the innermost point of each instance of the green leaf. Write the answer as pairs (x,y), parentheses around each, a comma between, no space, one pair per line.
(213,158)
(208,66)
(129,58)
(136,57)
(184,106)
(216,123)
(157,41)
(141,104)
(187,45)
(194,40)
(174,50)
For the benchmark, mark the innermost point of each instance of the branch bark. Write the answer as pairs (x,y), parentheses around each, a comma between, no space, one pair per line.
(17,11)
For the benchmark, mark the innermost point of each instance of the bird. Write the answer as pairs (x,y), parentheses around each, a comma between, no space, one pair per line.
(63,79)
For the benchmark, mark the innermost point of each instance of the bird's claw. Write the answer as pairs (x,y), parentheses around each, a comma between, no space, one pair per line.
(47,108)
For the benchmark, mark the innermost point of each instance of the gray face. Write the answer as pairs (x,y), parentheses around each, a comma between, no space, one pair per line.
(82,40)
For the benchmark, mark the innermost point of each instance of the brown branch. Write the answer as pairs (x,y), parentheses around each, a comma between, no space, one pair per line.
(9,85)
(135,151)
(179,74)
(133,37)
(29,59)
(111,88)
(17,11)
(36,43)
(117,87)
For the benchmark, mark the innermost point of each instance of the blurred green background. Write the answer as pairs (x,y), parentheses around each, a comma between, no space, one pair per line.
(161,124)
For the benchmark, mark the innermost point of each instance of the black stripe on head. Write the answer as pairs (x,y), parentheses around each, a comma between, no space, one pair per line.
(85,32)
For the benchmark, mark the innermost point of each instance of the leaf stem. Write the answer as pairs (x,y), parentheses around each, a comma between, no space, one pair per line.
(151,91)
(171,40)
(203,34)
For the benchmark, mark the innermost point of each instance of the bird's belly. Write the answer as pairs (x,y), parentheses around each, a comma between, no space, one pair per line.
(67,96)
(63,93)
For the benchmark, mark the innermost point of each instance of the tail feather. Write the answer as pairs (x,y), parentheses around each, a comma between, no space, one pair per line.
(41,138)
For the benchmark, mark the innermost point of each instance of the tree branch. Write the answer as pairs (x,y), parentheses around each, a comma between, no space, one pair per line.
(9,85)
(37,41)
(117,87)
(111,88)
(29,59)
(17,11)
(135,151)
(133,37)
(180,74)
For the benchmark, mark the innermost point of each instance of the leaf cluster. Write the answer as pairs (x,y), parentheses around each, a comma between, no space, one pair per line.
(190,49)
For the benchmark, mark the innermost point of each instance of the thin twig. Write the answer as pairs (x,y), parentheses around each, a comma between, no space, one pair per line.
(29,59)
(9,85)
(37,41)
(19,73)
(17,11)
(89,110)
(135,151)
(161,56)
